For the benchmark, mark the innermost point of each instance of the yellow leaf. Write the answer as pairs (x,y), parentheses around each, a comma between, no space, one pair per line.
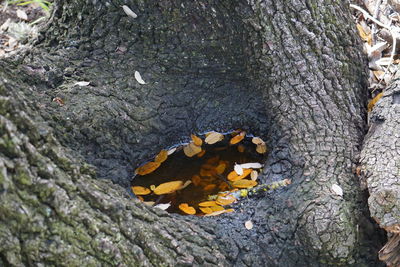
(244,183)
(213,137)
(364,36)
(196,140)
(206,210)
(215,213)
(235,177)
(191,149)
(201,153)
(261,148)
(225,200)
(162,156)
(147,168)
(216,208)
(207,203)
(140,190)
(372,103)
(236,139)
(220,168)
(167,188)
(187,209)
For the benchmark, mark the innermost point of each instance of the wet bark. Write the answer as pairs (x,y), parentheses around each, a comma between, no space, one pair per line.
(288,71)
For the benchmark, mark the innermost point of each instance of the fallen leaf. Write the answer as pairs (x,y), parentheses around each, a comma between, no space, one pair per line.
(215,213)
(138,78)
(238,169)
(186,184)
(207,203)
(82,83)
(171,151)
(253,165)
(236,177)
(216,208)
(196,180)
(22,15)
(254,175)
(187,209)
(257,141)
(206,210)
(201,153)
(372,103)
(248,225)
(213,160)
(162,156)
(163,206)
(244,183)
(213,137)
(191,149)
(196,140)
(337,190)
(241,148)
(220,168)
(261,148)
(225,200)
(147,168)
(365,36)
(167,188)
(209,187)
(140,190)
(236,139)
(129,11)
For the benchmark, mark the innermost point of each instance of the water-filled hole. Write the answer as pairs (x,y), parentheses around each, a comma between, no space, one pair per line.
(194,178)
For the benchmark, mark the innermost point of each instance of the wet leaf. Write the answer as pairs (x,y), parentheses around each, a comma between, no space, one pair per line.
(147,168)
(236,139)
(213,160)
(138,78)
(372,103)
(163,206)
(254,175)
(209,187)
(140,190)
(220,168)
(261,148)
(196,140)
(337,190)
(232,176)
(206,210)
(244,183)
(236,177)
(129,11)
(241,148)
(215,213)
(196,180)
(201,153)
(162,156)
(216,208)
(213,137)
(248,225)
(187,209)
(238,169)
(253,165)
(207,203)
(257,141)
(171,151)
(225,200)
(191,149)
(167,188)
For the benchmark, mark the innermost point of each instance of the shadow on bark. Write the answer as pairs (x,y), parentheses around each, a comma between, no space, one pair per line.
(289,72)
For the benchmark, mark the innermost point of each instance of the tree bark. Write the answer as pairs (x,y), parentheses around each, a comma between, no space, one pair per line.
(288,71)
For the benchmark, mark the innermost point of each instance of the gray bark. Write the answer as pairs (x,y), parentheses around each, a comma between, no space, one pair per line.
(288,71)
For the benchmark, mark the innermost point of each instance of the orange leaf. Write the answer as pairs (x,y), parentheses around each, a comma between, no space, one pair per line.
(147,168)
(235,177)
(196,140)
(244,183)
(372,103)
(207,203)
(167,188)
(225,200)
(206,210)
(220,168)
(241,148)
(201,153)
(187,209)
(213,137)
(162,156)
(140,190)
(191,149)
(209,187)
(216,208)
(236,139)
(196,180)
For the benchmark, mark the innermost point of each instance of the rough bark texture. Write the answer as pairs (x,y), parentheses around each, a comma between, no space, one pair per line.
(380,160)
(289,71)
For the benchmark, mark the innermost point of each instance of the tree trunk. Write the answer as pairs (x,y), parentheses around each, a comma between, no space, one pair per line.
(288,71)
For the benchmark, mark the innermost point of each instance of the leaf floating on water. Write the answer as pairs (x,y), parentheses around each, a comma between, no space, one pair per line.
(238,169)
(163,206)
(147,168)
(191,149)
(246,173)
(167,188)
(215,213)
(196,180)
(236,139)
(257,141)
(241,148)
(206,210)
(82,83)
(216,208)
(248,225)
(208,203)
(196,140)
(253,165)
(209,187)
(138,78)
(129,11)
(171,151)
(244,183)
(213,137)
(225,200)
(187,209)
(337,190)
(162,156)
(261,148)
(220,168)
(254,175)
(140,190)
(372,103)
(201,153)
